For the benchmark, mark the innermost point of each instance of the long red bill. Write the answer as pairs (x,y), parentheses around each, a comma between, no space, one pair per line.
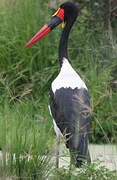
(41,33)
(57,18)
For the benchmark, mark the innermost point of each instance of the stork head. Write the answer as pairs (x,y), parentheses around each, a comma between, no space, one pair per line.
(68,11)
(71,11)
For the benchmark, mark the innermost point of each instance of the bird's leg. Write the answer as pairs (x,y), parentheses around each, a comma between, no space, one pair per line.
(57,151)
(72,160)
(88,158)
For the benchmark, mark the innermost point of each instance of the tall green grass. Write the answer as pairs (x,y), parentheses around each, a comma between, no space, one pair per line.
(25,129)
(26,76)
(23,69)
(25,141)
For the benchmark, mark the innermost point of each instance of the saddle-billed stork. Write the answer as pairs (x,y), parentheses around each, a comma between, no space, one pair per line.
(69,97)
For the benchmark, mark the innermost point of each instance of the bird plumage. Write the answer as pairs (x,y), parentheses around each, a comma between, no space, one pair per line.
(69,97)
(70,109)
(67,78)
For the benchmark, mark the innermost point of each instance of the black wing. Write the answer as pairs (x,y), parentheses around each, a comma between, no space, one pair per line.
(70,109)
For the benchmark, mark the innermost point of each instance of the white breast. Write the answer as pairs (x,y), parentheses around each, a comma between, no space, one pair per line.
(67,78)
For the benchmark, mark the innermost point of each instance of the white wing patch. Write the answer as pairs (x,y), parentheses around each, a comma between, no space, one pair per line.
(56,129)
(67,78)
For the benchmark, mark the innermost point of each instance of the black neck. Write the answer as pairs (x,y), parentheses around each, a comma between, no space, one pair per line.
(64,41)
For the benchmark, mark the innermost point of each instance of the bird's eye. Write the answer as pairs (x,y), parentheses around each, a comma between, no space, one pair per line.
(85,114)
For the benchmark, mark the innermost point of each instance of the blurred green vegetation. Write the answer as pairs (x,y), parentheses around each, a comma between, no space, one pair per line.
(93,171)
(26,74)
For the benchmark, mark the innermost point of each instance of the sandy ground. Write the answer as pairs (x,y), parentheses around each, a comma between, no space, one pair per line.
(105,154)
